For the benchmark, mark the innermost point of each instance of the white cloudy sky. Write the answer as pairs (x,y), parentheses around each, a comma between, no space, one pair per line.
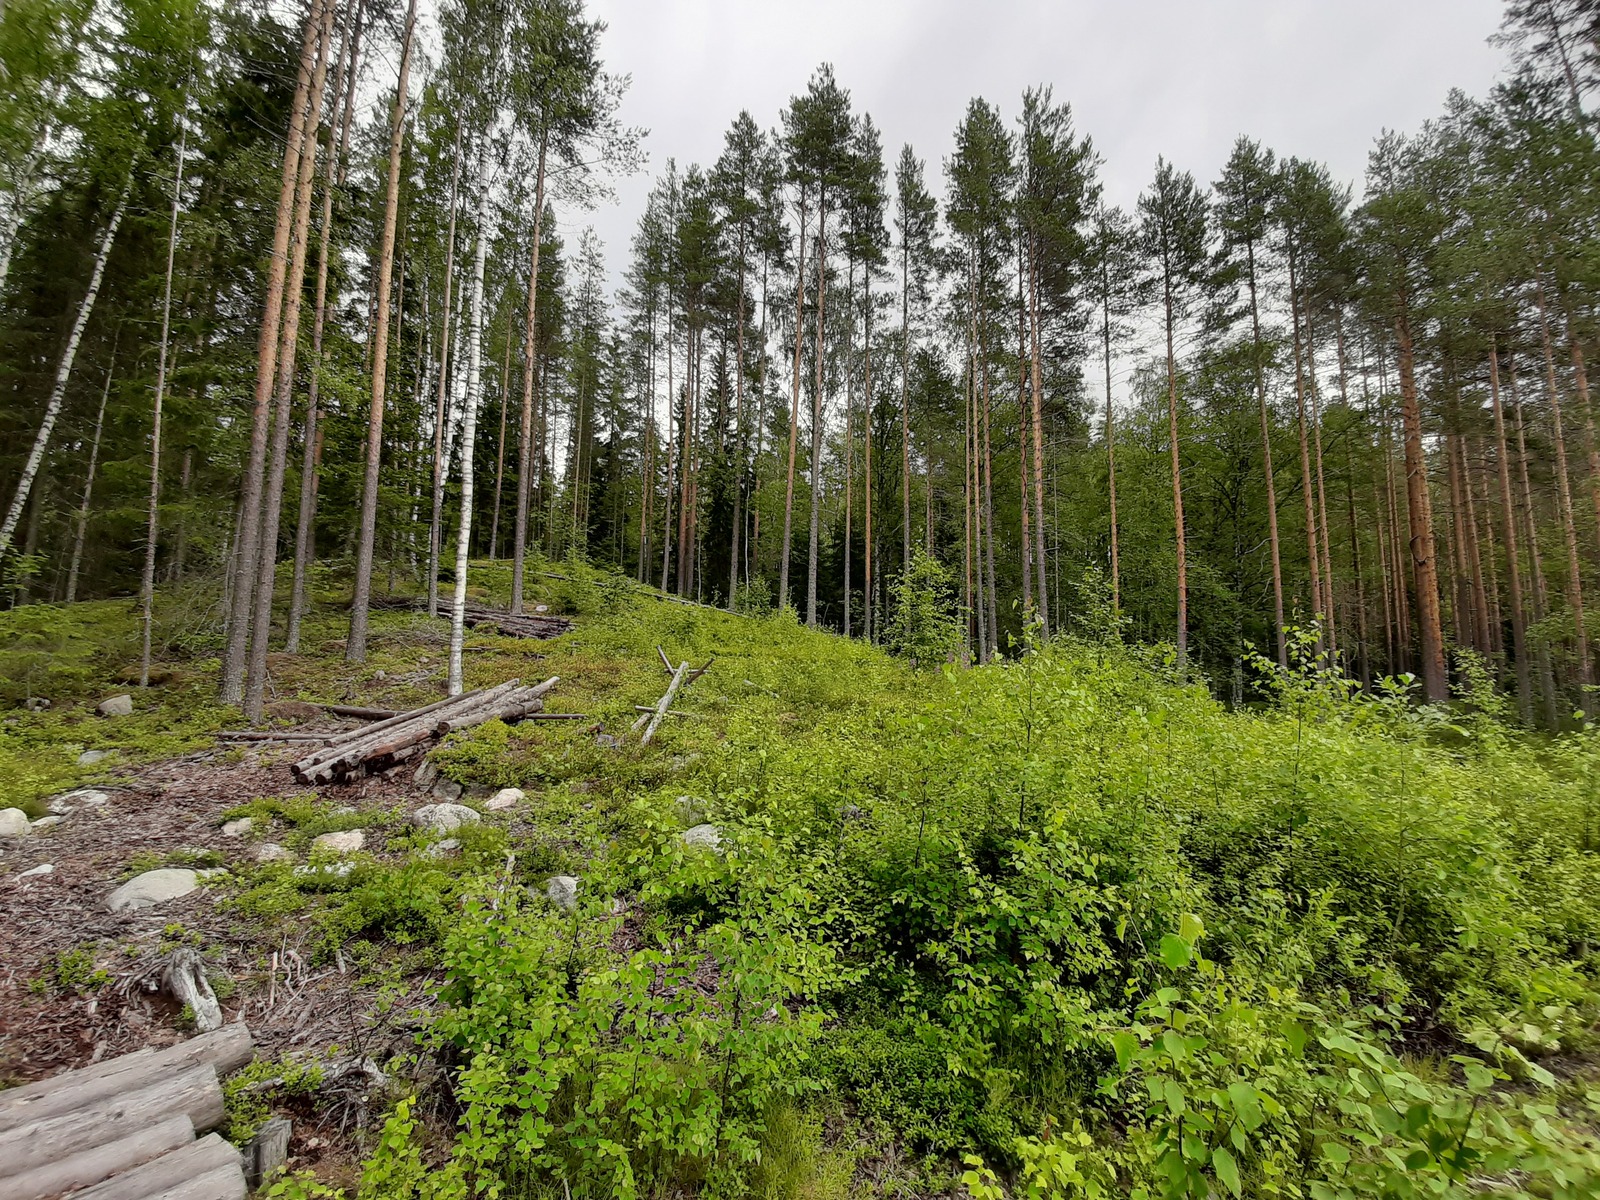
(1314,78)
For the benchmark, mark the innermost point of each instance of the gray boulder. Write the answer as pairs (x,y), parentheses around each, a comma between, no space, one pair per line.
(116,706)
(272,852)
(505,798)
(88,797)
(345,841)
(444,818)
(703,837)
(239,828)
(442,849)
(47,822)
(89,757)
(152,888)
(36,872)
(14,823)
(562,891)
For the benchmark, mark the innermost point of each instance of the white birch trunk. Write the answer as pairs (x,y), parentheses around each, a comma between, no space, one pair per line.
(469,425)
(52,408)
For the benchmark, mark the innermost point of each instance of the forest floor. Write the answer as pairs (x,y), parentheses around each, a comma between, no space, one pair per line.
(324,966)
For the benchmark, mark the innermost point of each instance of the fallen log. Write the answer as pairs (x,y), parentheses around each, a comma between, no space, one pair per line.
(225,1050)
(664,703)
(96,1163)
(193,1094)
(365,714)
(159,1176)
(224,1183)
(398,737)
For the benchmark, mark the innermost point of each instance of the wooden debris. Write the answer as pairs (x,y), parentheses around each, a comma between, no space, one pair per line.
(365,714)
(185,978)
(124,1129)
(651,716)
(522,625)
(394,739)
(267,1151)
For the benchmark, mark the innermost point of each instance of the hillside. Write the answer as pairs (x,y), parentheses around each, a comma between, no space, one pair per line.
(1058,922)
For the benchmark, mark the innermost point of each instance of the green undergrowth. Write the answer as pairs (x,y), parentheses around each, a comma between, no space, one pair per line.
(1059,926)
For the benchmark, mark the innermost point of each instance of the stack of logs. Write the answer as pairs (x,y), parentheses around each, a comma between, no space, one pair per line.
(385,743)
(125,1129)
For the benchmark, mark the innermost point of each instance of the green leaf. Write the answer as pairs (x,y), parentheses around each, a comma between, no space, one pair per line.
(1175,952)
(1227,1169)
(1245,1104)
(1125,1043)
(1335,1153)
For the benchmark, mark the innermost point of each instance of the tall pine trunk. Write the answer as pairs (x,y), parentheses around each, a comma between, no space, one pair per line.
(81,524)
(356,643)
(1564,499)
(1266,460)
(1037,381)
(311,449)
(816,411)
(242,571)
(794,407)
(1424,566)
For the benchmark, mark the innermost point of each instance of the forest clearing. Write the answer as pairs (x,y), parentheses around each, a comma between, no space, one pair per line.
(937,673)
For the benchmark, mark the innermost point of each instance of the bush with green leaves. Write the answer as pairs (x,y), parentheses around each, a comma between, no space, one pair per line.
(924,621)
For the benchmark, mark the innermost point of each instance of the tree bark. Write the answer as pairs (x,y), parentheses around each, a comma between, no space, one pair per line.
(441,412)
(1307,488)
(794,407)
(530,349)
(311,450)
(356,643)
(1435,685)
(58,392)
(82,523)
(816,411)
(242,572)
(1038,442)
(469,424)
(1266,460)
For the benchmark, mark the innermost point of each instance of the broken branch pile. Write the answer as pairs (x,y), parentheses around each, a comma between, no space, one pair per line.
(406,735)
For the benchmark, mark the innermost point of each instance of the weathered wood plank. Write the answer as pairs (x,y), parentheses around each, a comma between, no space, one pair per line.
(221,1183)
(160,1175)
(226,1049)
(95,1163)
(193,1093)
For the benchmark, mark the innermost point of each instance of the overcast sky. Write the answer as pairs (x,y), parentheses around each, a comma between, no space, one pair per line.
(1313,78)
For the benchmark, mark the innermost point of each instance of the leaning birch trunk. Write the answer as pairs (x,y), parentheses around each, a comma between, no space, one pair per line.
(88,484)
(52,408)
(241,570)
(283,398)
(356,644)
(469,424)
(147,582)
(525,430)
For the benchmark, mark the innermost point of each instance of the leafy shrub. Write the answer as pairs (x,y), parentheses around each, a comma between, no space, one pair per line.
(923,623)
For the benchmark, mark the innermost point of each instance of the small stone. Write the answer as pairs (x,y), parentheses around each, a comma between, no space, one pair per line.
(447,790)
(505,798)
(35,872)
(89,757)
(211,872)
(344,810)
(541,608)
(239,828)
(336,870)
(380,676)
(36,704)
(345,841)
(62,805)
(271,852)
(443,849)
(444,818)
(14,823)
(608,741)
(703,837)
(690,811)
(562,891)
(152,888)
(47,823)
(426,774)
(115,706)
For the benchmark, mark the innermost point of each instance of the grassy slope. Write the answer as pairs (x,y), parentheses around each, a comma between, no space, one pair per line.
(967,880)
